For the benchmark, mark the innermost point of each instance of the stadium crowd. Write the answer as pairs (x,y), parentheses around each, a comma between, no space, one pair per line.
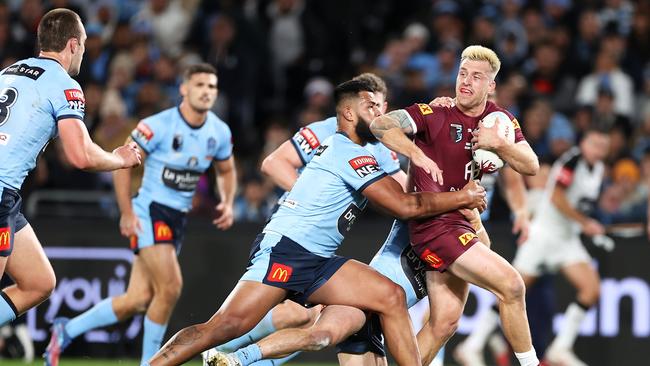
(566,65)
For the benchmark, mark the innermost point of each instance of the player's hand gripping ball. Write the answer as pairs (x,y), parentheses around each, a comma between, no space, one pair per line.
(488,161)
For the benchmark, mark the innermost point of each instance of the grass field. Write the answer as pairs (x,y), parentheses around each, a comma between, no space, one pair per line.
(88,362)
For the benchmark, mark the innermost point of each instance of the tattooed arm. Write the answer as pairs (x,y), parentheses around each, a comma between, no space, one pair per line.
(391,129)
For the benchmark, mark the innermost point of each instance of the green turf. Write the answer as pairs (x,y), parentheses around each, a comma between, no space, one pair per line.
(89,362)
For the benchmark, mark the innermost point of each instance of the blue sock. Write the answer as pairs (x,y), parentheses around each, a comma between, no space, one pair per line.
(98,316)
(8,311)
(275,362)
(261,330)
(249,354)
(152,339)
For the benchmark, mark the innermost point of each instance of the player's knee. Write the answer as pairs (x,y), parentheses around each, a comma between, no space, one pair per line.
(394,298)
(172,290)
(141,301)
(446,327)
(300,318)
(318,339)
(513,289)
(45,285)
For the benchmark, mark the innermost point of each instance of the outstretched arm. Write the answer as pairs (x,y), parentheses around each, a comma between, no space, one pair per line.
(281,166)
(388,195)
(129,222)
(84,154)
(515,194)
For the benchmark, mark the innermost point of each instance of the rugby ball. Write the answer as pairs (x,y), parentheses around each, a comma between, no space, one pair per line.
(488,161)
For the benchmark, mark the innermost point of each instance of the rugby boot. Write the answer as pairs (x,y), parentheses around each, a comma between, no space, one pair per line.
(58,342)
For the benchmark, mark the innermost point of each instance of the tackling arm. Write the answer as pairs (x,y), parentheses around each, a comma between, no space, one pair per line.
(387,194)
(281,166)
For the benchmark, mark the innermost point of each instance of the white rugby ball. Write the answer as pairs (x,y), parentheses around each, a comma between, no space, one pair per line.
(488,161)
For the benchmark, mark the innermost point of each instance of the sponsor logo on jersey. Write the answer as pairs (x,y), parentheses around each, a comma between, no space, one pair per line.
(32,72)
(565,176)
(347,218)
(279,273)
(306,140)
(432,258)
(143,132)
(133,241)
(425,109)
(4,138)
(162,231)
(320,150)
(5,238)
(466,238)
(456,132)
(180,180)
(515,124)
(75,98)
(364,165)
(415,271)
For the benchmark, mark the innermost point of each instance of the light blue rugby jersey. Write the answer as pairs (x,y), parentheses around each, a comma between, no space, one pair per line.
(326,199)
(35,93)
(309,138)
(177,155)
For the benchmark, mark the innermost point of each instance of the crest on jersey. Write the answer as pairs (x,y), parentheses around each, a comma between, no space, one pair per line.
(192,162)
(515,124)
(466,238)
(212,144)
(456,132)
(177,142)
(364,165)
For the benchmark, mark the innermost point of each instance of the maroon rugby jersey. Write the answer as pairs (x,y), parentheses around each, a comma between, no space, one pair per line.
(444,135)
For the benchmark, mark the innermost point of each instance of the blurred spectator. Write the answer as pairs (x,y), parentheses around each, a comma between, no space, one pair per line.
(318,95)
(416,38)
(168,21)
(24,27)
(607,74)
(619,13)
(549,133)
(286,38)
(618,146)
(96,57)
(605,114)
(253,204)
(585,43)
(624,200)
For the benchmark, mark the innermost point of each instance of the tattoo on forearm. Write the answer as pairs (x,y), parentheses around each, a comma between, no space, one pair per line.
(394,119)
(186,336)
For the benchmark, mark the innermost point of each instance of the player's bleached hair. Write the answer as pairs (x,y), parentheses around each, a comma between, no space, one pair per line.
(377,83)
(480,53)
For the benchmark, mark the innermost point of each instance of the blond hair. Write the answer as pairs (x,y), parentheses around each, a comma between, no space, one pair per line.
(480,53)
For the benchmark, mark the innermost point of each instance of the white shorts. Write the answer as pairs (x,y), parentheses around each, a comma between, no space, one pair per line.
(544,252)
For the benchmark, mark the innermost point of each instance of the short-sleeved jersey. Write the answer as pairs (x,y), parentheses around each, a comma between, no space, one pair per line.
(581,182)
(444,135)
(327,197)
(35,94)
(308,139)
(177,154)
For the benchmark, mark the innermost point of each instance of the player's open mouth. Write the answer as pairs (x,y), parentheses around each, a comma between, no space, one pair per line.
(465,91)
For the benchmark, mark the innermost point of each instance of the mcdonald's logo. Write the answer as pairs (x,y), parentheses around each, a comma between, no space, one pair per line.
(279,273)
(431,258)
(162,231)
(466,238)
(5,238)
(133,241)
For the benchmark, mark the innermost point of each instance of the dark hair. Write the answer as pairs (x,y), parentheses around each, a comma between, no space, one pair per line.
(202,68)
(55,29)
(351,88)
(377,83)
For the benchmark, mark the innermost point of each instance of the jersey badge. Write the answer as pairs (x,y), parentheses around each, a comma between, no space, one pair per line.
(279,273)
(456,132)
(75,98)
(364,165)
(425,109)
(466,238)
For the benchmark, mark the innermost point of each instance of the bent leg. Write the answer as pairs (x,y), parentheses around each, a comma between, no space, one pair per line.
(483,267)
(356,284)
(31,271)
(245,306)
(448,295)
(335,323)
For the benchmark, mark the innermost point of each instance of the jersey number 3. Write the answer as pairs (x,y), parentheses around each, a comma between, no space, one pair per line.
(7,99)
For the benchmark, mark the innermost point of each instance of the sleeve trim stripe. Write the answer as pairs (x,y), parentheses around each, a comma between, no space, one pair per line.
(298,151)
(224,159)
(413,125)
(373,180)
(66,116)
(139,144)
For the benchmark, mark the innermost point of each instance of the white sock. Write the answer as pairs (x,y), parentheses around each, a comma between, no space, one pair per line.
(573,317)
(528,358)
(488,322)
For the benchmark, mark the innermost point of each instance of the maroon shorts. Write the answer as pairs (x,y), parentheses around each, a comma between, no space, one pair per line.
(452,241)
